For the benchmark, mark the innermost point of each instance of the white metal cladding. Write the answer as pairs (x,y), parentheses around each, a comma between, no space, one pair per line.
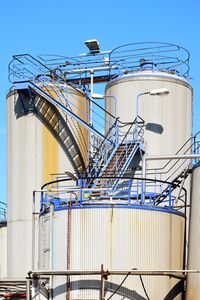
(172,111)
(24,175)
(193,280)
(3,251)
(27,151)
(119,239)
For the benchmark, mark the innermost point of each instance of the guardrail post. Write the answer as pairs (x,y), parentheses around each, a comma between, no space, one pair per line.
(28,289)
(129,191)
(41,200)
(170,195)
(102,287)
(81,191)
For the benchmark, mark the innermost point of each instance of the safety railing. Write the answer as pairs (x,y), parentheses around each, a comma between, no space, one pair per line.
(27,68)
(103,151)
(126,139)
(96,119)
(169,170)
(150,56)
(108,64)
(109,131)
(80,196)
(176,170)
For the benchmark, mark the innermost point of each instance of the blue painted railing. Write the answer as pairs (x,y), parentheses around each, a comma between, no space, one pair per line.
(81,196)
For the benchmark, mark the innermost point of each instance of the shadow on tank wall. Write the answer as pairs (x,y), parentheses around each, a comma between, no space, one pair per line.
(114,288)
(27,103)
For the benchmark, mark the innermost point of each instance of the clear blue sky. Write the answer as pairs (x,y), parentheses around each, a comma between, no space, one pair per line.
(62,26)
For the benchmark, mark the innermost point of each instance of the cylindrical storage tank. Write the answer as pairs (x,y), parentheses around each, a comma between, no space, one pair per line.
(193,279)
(118,238)
(172,111)
(39,144)
(3,250)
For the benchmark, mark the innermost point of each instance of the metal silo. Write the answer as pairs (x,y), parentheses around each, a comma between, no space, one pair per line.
(172,112)
(193,279)
(3,249)
(41,144)
(120,239)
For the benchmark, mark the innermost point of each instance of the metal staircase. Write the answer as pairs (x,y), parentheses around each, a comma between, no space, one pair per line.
(118,165)
(177,182)
(127,154)
(113,145)
(61,129)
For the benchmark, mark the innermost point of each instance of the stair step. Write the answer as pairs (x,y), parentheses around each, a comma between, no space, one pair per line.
(53,116)
(75,156)
(71,147)
(66,139)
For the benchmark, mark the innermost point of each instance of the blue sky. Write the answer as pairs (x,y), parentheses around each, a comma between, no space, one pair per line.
(62,26)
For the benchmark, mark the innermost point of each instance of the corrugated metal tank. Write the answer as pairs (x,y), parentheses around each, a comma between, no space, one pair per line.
(3,250)
(33,154)
(173,111)
(193,280)
(118,238)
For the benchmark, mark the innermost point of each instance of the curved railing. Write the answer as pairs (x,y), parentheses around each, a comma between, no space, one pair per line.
(62,195)
(108,64)
(150,55)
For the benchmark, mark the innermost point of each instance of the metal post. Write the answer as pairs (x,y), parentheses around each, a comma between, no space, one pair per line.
(69,245)
(143,179)
(33,231)
(102,287)
(28,289)
(51,250)
(137,109)
(129,191)
(91,93)
(35,287)
(81,191)
(136,113)
(170,195)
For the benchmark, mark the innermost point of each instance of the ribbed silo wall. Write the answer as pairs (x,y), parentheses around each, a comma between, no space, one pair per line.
(118,238)
(172,111)
(33,155)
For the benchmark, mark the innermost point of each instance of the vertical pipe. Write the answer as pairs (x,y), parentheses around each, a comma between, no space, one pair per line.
(69,245)
(136,113)
(143,178)
(51,238)
(102,287)
(51,250)
(91,94)
(33,231)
